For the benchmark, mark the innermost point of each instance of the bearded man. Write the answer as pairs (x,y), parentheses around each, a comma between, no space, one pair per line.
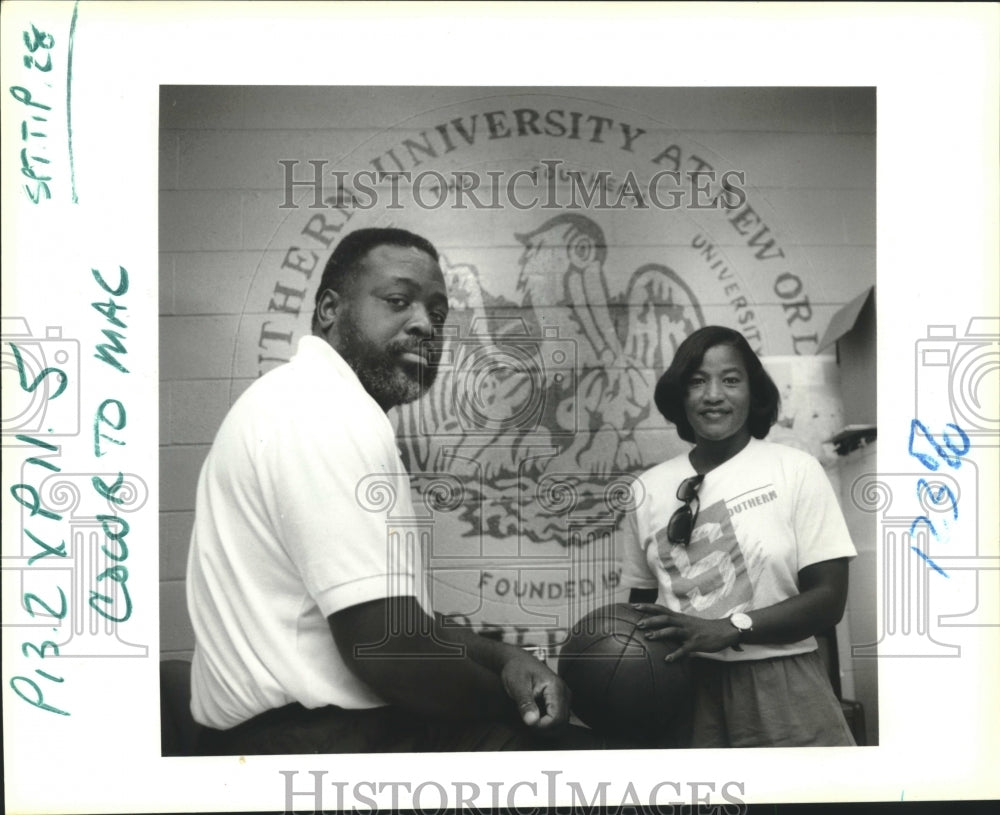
(314,632)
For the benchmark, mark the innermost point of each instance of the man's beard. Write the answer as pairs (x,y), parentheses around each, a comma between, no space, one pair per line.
(379,368)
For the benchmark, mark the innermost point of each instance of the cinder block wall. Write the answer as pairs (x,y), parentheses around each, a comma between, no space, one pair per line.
(809,152)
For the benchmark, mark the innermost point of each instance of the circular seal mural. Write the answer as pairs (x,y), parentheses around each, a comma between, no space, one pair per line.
(580,243)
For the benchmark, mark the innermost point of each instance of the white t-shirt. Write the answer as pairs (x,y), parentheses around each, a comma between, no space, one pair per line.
(294,521)
(765,514)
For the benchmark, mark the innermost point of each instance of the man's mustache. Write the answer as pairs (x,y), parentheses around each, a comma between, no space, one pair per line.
(428,349)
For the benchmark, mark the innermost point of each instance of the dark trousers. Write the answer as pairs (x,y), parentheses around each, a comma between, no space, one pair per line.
(294,729)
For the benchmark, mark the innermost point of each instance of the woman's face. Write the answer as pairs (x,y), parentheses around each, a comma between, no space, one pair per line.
(717,402)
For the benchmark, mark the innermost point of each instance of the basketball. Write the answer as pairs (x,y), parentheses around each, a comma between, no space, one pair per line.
(621,686)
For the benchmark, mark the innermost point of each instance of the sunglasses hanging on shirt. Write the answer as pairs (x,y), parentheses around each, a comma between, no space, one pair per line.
(681,523)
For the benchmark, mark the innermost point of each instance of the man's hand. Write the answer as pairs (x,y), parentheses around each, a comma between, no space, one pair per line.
(542,698)
(694,633)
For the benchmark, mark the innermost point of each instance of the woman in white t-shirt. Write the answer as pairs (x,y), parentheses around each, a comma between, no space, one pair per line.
(739,554)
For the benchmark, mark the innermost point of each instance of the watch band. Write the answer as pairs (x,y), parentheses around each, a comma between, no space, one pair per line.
(742,623)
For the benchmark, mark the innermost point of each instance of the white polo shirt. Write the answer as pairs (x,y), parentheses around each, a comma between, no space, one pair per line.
(294,521)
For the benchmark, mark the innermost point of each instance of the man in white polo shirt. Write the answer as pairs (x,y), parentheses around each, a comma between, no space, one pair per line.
(313,632)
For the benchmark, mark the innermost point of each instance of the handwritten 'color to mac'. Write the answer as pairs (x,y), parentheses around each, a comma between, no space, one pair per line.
(115,527)
(110,597)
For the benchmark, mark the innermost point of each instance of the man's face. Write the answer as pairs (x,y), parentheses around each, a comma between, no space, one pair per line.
(386,314)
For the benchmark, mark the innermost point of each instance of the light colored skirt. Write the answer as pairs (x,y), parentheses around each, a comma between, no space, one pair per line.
(779,702)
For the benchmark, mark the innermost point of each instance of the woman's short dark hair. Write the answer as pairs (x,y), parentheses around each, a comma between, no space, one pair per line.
(346,260)
(672,387)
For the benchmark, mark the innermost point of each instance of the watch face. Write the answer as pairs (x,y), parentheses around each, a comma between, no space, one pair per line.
(742,621)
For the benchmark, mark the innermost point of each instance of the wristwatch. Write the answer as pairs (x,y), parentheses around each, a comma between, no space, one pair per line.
(742,623)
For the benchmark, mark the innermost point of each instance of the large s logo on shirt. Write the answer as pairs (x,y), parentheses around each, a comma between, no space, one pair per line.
(709,575)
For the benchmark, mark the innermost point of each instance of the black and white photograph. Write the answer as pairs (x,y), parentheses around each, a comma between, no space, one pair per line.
(556,308)
(482,406)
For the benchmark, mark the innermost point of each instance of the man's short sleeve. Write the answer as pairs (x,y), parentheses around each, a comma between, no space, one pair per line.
(335,484)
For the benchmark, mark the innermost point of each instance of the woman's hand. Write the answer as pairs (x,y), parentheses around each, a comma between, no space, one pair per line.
(693,633)
(818,607)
